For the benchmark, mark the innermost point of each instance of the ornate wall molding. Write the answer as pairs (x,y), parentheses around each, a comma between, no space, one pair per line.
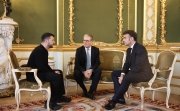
(163,21)
(99,43)
(150,22)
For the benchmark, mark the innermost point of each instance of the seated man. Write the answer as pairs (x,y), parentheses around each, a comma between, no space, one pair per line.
(136,69)
(39,59)
(87,66)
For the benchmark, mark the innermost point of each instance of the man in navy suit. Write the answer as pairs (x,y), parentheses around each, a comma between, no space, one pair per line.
(136,69)
(87,66)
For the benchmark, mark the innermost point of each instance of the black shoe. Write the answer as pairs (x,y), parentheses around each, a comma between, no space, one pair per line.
(121,101)
(91,96)
(85,95)
(64,99)
(110,105)
(53,106)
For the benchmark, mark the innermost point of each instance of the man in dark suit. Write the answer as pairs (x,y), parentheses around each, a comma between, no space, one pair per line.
(136,69)
(87,66)
(39,59)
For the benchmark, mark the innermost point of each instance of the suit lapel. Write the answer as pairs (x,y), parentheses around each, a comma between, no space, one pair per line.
(133,54)
(92,54)
(84,54)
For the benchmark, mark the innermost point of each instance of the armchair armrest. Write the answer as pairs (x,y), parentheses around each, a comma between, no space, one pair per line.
(31,70)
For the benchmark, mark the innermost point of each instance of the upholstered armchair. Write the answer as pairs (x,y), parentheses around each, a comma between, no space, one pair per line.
(23,84)
(163,73)
(110,60)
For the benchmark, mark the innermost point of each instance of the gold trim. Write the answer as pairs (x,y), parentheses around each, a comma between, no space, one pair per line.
(99,43)
(62,48)
(128,14)
(57,26)
(135,26)
(71,18)
(63,22)
(163,21)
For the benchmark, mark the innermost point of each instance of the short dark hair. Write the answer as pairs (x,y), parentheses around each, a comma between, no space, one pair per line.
(46,35)
(132,33)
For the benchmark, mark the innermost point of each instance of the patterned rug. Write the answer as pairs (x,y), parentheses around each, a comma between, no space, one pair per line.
(79,103)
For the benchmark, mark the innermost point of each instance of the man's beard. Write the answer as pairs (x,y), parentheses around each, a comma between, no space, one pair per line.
(50,46)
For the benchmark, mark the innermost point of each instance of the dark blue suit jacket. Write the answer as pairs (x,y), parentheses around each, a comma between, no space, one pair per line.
(81,59)
(137,63)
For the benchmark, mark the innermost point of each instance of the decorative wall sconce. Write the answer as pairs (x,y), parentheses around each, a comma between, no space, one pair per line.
(18,40)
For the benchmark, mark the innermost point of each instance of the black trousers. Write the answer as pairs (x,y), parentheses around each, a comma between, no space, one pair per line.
(79,77)
(56,84)
(120,89)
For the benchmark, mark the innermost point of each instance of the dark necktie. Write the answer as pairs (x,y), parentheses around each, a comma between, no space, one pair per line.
(88,64)
(129,55)
(129,51)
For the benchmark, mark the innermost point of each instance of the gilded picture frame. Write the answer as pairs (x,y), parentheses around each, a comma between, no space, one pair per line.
(163,25)
(98,43)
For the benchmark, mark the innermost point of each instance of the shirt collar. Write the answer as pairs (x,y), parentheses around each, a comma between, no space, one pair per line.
(88,47)
(132,46)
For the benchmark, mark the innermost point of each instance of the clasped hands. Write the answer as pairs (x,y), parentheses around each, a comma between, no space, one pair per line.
(87,73)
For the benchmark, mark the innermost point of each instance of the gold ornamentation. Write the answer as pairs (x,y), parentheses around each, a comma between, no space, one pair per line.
(99,43)
(163,22)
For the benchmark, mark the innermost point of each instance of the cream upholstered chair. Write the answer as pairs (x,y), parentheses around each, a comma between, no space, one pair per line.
(110,60)
(23,84)
(163,72)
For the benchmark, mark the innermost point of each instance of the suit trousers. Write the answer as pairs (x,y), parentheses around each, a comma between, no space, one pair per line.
(120,89)
(56,84)
(79,77)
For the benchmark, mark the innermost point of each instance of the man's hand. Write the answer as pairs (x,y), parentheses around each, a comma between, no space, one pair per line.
(88,73)
(120,79)
(57,72)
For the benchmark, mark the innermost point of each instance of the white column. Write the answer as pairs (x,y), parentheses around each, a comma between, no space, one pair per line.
(7,27)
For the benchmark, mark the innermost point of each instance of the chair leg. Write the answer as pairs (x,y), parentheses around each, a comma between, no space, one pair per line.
(48,98)
(127,94)
(142,97)
(17,99)
(77,88)
(66,86)
(153,95)
(167,96)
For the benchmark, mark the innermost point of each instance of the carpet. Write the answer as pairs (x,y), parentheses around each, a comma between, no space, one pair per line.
(79,103)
